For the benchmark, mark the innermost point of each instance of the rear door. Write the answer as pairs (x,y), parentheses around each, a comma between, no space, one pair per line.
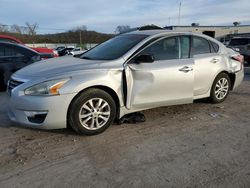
(207,64)
(166,81)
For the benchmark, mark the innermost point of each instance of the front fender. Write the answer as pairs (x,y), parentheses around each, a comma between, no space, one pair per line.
(108,78)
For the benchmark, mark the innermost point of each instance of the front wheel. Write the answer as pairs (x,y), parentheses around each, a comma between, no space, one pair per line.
(220,88)
(92,112)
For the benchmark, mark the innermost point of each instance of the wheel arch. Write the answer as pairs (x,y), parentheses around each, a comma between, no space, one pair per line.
(107,89)
(231,76)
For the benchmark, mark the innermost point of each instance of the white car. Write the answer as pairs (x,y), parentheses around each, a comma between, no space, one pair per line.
(128,73)
(76,51)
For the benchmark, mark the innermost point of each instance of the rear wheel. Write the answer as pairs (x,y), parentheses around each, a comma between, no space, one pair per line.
(220,88)
(92,112)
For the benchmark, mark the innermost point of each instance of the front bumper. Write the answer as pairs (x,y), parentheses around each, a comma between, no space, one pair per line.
(53,107)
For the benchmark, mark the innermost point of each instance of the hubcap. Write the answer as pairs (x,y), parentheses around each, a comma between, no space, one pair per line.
(94,113)
(221,88)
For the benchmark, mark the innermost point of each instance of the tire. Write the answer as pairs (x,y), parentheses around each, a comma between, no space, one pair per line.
(92,112)
(2,84)
(220,88)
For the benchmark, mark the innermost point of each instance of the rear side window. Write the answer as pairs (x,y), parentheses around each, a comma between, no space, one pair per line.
(7,40)
(200,46)
(8,51)
(215,47)
(239,41)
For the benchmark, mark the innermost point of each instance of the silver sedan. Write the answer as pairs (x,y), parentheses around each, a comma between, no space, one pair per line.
(128,73)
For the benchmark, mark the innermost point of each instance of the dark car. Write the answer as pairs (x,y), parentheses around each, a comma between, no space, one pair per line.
(44,50)
(14,57)
(243,44)
(64,51)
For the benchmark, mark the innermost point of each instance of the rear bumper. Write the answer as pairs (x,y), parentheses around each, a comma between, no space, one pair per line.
(239,76)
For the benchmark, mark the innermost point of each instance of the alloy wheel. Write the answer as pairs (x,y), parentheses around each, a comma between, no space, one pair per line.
(221,88)
(94,113)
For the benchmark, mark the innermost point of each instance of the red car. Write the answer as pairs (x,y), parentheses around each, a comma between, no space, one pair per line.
(7,38)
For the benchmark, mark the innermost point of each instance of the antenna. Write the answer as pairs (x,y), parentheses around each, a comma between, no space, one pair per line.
(179,17)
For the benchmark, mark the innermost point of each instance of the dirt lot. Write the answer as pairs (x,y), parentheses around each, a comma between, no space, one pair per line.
(196,145)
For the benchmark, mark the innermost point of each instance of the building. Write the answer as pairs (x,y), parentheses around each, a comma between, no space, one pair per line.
(213,31)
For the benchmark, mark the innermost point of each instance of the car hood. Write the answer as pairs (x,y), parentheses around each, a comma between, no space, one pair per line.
(64,65)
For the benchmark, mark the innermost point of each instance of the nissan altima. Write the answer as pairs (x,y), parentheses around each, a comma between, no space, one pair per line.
(128,73)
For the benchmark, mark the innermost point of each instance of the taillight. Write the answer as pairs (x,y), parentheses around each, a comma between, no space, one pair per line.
(239,58)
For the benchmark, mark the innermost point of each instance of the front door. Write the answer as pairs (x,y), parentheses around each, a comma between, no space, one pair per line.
(166,81)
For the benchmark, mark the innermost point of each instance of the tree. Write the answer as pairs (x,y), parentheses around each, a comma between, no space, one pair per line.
(31,28)
(236,23)
(4,28)
(18,29)
(122,28)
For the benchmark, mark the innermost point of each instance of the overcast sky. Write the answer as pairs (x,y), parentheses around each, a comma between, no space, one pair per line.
(106,15)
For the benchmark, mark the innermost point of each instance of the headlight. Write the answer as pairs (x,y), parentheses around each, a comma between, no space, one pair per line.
(46,88)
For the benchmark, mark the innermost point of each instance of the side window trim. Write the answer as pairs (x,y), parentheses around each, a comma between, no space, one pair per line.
(190,45)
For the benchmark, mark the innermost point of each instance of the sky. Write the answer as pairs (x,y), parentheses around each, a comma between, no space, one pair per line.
(105,15)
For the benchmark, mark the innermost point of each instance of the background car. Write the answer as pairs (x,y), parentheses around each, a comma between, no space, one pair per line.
(76,51)
(65,51)
(14,57)
(243,44)
(6,38)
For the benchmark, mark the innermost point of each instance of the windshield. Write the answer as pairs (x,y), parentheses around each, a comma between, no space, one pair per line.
(240,41)
(114,48)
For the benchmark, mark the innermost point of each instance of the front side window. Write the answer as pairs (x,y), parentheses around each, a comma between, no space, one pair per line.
(200,46)
(114,48)
(170,48)
(164,49)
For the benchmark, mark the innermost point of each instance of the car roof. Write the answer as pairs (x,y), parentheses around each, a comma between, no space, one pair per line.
(240,38)
(11,38)
(150,32)
(21,47)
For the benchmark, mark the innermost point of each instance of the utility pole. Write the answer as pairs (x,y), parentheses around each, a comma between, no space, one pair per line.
(80,38)
(179,17)
(169,21)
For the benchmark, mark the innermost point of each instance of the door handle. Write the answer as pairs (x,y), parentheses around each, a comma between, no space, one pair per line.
(214,60)
(186,69)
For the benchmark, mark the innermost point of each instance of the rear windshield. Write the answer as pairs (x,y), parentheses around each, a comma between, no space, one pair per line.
(241,41)
(114,48)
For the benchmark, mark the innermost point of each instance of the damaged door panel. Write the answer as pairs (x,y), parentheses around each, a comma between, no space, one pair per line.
(160,83)
(166,80)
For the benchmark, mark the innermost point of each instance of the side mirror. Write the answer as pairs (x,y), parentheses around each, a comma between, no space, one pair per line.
(144,59)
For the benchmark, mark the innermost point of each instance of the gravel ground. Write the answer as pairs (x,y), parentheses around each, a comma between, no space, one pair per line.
(195,145)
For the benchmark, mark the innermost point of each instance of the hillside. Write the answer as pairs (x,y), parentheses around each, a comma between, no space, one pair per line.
(66,37)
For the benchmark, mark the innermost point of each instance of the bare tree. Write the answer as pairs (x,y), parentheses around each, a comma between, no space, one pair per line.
(31,28)
(236,23)
(4,28)
(122,28)
(18,29)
